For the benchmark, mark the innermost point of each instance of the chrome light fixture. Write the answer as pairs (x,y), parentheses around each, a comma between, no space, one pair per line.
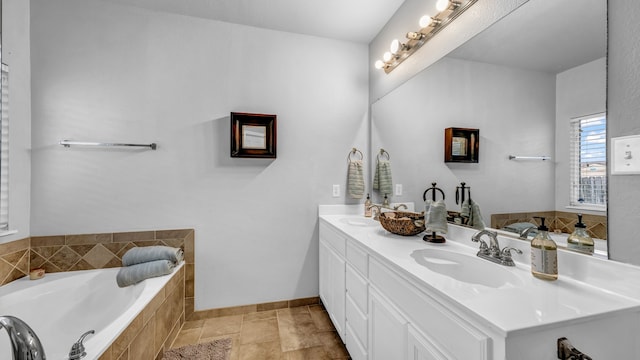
(448,10)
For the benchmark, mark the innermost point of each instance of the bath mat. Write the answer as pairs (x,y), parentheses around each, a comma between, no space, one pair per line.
(215,350)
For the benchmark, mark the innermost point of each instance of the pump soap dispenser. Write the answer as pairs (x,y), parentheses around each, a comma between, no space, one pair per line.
(544,254)
(580,240)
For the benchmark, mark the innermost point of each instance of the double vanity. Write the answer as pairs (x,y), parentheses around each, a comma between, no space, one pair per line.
(397,297)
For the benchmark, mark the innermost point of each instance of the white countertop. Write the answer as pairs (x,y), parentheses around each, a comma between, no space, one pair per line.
(511,308)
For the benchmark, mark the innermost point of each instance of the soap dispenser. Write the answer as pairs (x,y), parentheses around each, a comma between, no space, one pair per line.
(367,207)
(580,240)
(385,203)
(544,254)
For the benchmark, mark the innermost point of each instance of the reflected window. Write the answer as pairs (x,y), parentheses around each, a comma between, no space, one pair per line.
(588,156)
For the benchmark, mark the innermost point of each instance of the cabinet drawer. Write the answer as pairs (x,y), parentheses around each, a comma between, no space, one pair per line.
(333,238)
(429,316)
(357,288)
(355,348)
(357,320)
(358,258)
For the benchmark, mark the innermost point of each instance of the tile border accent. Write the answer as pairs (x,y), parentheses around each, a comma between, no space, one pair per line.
(247,309)
(71,252)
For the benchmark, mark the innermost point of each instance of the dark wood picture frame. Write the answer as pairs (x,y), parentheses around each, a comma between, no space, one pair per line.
(253,135)
(461,145)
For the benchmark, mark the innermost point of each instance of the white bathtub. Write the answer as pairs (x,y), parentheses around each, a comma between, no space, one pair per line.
(62,306)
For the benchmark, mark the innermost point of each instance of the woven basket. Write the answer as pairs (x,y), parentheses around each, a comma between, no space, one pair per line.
(402,222)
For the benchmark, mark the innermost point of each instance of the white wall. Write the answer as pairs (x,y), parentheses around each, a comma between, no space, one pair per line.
(623,109)
(512,108)
(475,19)
(580,91)
(105,72)
(16,54)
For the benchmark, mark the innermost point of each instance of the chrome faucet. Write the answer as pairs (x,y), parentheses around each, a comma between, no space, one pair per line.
(492,251)
(397,207)
(25,344)
(525,233)
(77,350)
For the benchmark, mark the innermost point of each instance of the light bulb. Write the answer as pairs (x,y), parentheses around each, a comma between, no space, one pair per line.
(395,46)
(442,5)
(387,56)
(379,64)
(425,21)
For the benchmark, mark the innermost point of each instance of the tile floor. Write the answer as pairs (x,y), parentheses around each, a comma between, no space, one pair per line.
(304,333)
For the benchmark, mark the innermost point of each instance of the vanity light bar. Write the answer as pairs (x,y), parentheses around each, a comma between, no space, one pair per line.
(448,10)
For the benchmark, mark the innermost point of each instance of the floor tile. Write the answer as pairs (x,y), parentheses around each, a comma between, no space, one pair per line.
(296,330)
(261,351)
(221,326)
(312,353)
(259,331)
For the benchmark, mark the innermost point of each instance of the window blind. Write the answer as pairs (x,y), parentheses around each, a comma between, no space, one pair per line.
(588,161)
(4,151)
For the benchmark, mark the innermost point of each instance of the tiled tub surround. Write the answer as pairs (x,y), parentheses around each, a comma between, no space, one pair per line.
(92,251)
(555,220)
(135,322)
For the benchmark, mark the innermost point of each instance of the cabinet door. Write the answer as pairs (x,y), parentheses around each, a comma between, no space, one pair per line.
(420,348)
(332,286)
(387,329)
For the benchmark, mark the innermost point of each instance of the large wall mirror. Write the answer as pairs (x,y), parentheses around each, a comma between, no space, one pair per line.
(522,83)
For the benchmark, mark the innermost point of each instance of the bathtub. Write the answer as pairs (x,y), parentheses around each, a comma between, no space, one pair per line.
(62,306)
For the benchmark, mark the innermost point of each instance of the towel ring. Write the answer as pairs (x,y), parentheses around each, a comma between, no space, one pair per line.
(354,152)
(383,152)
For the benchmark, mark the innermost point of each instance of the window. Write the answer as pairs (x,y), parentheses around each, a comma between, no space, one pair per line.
(4,151)
(588,161)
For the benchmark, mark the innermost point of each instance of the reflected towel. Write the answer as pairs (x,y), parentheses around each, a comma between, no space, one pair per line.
(355,181)
(382,178)
(133,274)
(435,216)
(470,211)
(139,255)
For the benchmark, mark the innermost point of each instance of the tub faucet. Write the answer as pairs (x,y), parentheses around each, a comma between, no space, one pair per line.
(525,233)
(77,350)
(25,344)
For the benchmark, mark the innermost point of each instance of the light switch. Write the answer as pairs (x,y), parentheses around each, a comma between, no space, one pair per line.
(625,155)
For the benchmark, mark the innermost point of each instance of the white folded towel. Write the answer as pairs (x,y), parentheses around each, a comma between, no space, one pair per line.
(435,216)
(382,178)
(355,181)
(470,211)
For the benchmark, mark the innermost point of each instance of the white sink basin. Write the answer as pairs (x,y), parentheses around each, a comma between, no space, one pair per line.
(467,268)
(360,221)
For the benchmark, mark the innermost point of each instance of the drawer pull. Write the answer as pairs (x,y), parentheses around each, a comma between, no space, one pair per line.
(566,351)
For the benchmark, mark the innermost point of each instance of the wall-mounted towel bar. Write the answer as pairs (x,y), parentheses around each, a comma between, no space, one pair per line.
(68,143)
(516,157)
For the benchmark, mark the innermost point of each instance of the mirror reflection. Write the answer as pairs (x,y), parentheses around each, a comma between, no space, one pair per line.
(534,90)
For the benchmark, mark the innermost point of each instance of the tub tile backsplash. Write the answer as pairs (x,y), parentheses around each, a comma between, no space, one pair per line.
(14,260)
(91,251)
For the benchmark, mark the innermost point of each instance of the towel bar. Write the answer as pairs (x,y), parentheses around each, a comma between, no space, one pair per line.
(516,157)
(69,143)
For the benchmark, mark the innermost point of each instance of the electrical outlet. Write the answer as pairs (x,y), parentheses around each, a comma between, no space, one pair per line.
(336,190)
(398,189)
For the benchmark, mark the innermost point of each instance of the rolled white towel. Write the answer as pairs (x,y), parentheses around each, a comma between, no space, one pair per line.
(143,254)
(133,274)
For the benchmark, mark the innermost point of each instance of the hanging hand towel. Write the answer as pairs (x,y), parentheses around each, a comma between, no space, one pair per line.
(355,181)
(382,178)
(471,212)
(435,216)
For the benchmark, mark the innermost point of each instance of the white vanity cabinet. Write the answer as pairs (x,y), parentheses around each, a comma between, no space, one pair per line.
(332,275)
(386,305)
